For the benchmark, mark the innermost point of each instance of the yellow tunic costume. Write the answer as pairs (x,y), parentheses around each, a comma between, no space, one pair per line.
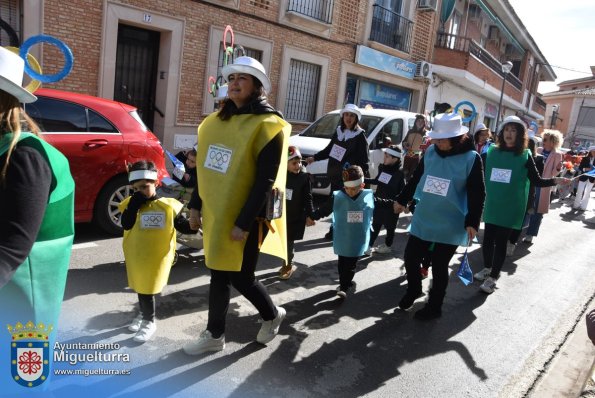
(150,246)
(226,167)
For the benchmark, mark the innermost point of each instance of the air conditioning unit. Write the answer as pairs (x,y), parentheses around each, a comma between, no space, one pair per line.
(423,69)
(427,5)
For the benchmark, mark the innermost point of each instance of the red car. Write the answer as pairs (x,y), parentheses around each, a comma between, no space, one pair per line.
(99,137)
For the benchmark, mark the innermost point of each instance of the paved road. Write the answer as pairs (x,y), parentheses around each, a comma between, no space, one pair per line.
(483,346)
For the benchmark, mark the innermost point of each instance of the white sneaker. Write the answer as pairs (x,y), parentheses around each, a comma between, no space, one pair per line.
(341,294)
(489,285)
(528,238)
(481,275)
(368,252)
(510,248)
(383,249)
(269,329)
(205,343)
(145,332)
(135,324)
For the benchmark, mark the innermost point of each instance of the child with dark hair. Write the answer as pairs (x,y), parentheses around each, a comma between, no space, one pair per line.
(298,204)
(149,243)
(352,208)
(389,182)
(188,158)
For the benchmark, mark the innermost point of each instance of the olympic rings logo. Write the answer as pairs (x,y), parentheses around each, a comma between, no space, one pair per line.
(219,157)
(152,218)
(436,185)
(473,111)
(231,51)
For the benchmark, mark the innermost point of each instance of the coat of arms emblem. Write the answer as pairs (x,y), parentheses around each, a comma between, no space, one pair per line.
(29,353)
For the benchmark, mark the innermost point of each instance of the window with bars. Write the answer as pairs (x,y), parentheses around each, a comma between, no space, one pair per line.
(249,52)
(10,29)
(302,91)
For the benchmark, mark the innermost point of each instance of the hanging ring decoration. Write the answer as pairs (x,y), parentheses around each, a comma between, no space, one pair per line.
(473,111)
(30,42)
(228,49)
(214,85)
(33,84)
(238,51)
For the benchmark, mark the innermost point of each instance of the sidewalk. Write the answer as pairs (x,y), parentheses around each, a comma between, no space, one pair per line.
(569,374)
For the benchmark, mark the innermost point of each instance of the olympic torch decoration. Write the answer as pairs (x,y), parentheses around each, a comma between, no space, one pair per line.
(216,86)
(32,67)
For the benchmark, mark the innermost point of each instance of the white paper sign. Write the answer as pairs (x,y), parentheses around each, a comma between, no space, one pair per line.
(355,216)
(436,185)
(288,193)
(152,220)
(384,177)
(501,175)
(218,158)
(337,152)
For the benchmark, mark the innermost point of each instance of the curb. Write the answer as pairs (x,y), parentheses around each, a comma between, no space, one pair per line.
(569,372)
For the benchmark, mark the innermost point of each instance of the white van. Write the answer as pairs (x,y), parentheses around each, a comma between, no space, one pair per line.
(378,124)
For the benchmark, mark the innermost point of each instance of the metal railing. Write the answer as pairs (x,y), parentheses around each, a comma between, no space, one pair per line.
(321,10)
(391,29)
(465,44)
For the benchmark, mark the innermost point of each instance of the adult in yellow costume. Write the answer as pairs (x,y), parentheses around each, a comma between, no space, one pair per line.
(242,155)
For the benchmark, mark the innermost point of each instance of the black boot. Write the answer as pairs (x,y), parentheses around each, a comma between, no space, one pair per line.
(408,300)
(329,234)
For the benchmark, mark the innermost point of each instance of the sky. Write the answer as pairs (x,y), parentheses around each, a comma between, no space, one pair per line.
(564,31)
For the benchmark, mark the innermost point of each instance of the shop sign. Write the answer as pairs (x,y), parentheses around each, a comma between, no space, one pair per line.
(384,62)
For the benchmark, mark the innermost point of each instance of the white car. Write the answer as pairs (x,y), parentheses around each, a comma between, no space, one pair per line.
(378,124)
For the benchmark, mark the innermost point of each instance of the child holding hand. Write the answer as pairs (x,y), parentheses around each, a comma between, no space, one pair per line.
(352,209)
(149,243)
(299,206)
(389,183)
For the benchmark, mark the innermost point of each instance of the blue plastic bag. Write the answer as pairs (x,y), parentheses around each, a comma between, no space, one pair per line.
(465,273)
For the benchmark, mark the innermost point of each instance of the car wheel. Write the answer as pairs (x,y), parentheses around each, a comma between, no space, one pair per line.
(106,212)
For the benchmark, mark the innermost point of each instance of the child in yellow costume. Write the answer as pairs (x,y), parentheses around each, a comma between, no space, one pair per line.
(149,243)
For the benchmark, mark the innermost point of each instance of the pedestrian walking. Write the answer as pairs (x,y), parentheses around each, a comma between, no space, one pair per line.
(149,243)
(299,206)
(36,223)
(389,183)
(449,189)
(241,167)
(509,170)
(348,147)
(551,166)
(352,208)
(585,183)
(412,145)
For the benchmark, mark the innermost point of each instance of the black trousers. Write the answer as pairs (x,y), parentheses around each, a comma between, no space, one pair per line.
(390,223)
(346,267)
(245,282)
(494,247)
(146,302)
(415,252)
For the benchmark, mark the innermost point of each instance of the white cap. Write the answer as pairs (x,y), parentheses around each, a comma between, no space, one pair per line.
(249,66)
(512,119)
(480,127)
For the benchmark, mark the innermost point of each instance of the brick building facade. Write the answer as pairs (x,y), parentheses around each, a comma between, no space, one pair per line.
(308,47)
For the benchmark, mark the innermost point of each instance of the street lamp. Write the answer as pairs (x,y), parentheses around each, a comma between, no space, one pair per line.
(506,68)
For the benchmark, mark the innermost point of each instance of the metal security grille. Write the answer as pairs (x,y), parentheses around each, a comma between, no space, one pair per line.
(302,91)
(321,10)
(10,23)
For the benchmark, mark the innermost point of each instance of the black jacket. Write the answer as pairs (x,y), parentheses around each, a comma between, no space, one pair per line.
(585,164)
(300,205)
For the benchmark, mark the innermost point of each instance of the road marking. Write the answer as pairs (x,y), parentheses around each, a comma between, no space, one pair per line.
(84,245)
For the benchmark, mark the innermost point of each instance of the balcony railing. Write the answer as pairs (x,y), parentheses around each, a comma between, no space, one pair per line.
(391,29)
(465,44)
(321,10)
(540,102)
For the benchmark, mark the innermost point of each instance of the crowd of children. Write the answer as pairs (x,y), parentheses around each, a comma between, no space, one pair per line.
(459,178)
